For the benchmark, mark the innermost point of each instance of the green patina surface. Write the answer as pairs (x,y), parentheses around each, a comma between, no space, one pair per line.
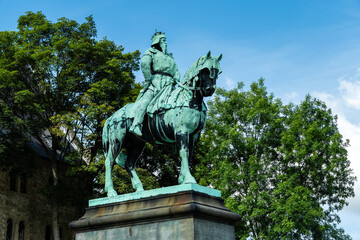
(176,115)
(155,192)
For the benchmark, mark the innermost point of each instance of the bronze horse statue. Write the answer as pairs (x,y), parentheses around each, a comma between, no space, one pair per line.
(180,122)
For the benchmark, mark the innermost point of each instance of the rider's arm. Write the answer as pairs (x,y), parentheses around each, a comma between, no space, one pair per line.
(177,76)
(146,67)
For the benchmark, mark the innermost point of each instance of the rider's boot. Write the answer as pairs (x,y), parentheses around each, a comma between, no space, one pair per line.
(139,110)
(136,129)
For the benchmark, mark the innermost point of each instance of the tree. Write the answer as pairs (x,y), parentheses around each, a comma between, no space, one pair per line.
(283,168)
(59,84)
(163,161)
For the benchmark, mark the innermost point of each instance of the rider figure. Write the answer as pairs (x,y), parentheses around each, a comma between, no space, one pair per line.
(160,73)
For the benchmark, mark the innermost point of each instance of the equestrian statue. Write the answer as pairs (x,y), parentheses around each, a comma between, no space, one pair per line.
(162,113)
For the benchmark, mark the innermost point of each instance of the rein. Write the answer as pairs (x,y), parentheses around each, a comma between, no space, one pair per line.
(187,87)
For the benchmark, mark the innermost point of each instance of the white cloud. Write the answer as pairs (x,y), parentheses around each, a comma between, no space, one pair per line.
(230,84)
(349,101)
(335,104)
(352,132)
(291,97)
(350,91)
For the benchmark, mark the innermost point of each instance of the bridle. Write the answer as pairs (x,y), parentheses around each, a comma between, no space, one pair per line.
(191,88)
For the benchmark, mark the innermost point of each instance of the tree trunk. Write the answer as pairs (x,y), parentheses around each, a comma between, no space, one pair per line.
(55,224)
(55,210)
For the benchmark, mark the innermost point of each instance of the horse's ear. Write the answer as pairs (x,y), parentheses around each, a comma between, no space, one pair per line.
(208,55)
(219,58)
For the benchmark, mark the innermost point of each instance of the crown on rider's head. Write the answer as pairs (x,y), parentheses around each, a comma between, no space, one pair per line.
(156,37)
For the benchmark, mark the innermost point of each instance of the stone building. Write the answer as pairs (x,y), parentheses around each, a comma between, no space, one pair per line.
(25,213)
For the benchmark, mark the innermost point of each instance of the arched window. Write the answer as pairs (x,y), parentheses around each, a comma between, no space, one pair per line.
(13,184)
(23,184)
(48,232)
(9,229)
(21,230)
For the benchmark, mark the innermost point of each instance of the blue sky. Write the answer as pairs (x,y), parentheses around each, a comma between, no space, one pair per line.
(299,47)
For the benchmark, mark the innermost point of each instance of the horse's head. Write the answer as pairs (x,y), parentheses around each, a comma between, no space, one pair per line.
(203,73)
(208,73)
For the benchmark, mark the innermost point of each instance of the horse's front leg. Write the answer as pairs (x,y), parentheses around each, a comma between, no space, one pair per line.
(183,144)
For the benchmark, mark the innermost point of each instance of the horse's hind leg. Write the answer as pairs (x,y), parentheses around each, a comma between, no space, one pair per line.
(114,153)
(133,152)
(135,180)
(109,164)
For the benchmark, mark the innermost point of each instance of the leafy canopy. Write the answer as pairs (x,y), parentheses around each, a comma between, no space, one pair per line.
(58,84)
(283,168)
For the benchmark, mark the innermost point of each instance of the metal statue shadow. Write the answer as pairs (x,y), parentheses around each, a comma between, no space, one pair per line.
(179,120)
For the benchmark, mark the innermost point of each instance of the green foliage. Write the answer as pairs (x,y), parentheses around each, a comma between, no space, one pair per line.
(283,168)
(163,161)
(57,79)
(122,182)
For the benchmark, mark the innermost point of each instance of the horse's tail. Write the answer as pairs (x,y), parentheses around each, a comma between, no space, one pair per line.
(112,140)
(105,136)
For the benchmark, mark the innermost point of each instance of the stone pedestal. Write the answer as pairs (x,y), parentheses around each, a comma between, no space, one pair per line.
(183,214)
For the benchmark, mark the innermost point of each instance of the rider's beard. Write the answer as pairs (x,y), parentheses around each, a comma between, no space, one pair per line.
(163,47)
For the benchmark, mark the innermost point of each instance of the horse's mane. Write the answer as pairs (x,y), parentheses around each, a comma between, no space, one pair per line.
(182,95)
(193,71)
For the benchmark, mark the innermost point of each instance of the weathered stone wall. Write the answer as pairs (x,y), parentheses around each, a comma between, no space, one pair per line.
(184,215)
(32,207)
(177,229)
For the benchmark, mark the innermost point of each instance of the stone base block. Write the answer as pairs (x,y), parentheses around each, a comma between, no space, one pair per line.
(179,229)
(186,215)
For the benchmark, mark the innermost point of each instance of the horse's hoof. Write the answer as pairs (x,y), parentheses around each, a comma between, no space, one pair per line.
(139,188)
(190,181)
(112,193)
(187,180)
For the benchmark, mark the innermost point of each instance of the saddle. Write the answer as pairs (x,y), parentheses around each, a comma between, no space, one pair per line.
(169,98)
(161,102)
